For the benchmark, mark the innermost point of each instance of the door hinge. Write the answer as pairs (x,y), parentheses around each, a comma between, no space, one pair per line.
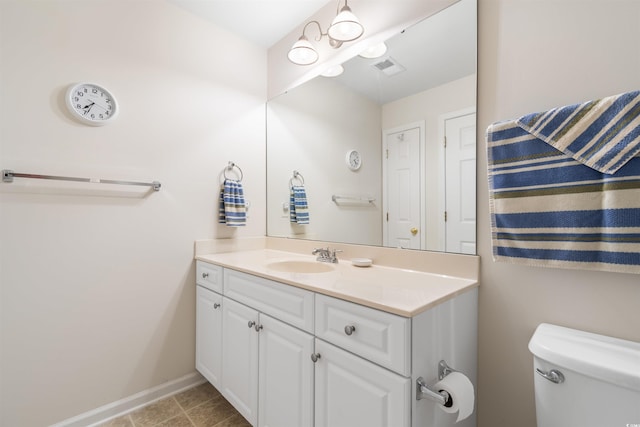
(445,216)
(387,153)
(387,216)
(445,142)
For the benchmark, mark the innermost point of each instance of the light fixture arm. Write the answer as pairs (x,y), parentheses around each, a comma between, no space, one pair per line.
(319,29)
(341,29)
(333,43)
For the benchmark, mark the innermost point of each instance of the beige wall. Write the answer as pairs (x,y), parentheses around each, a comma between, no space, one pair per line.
(97,295)
(534,55)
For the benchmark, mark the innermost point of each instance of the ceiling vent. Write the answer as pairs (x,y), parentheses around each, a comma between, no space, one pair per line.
(389,66)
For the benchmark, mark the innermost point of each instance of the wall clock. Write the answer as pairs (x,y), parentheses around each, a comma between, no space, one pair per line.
(354,160)
(91,104)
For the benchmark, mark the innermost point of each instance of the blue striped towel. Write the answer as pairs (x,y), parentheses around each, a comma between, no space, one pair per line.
(298,207)
(564,186)
(232,209)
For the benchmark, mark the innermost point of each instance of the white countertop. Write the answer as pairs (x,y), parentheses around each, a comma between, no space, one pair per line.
(394,290)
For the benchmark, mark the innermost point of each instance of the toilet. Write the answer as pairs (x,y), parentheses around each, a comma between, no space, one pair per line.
(585,380)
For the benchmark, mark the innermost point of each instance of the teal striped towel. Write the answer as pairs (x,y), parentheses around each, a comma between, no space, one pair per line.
(298,207)
(564,186)
(232,209)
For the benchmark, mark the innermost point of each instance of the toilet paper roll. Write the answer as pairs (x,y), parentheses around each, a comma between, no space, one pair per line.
(461,391)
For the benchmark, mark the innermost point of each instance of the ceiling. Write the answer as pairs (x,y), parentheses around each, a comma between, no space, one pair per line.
(263,22)
(436,51)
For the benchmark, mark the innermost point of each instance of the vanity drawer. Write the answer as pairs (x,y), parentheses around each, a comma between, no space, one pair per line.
(380,337)
(287,303)
(209,276)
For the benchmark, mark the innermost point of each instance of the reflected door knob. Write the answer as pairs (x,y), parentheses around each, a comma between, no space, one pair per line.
(414,231)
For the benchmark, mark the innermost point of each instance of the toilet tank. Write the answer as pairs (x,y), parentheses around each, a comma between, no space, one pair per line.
(601,379)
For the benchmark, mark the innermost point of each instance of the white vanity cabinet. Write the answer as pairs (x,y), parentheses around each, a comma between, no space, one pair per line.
(350,389)
(285,375)
(240,358)
(209,334)
(265,370)
(285,356)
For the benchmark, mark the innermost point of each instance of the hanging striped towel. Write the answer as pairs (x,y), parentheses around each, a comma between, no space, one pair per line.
(565,186)
(298,207)
(232,209)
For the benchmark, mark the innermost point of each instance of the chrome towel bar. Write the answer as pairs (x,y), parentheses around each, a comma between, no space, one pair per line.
(9,175)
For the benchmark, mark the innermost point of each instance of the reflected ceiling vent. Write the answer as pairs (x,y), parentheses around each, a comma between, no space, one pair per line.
(389,66)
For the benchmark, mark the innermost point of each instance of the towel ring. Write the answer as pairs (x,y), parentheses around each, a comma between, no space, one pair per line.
(296,175)
(229,167)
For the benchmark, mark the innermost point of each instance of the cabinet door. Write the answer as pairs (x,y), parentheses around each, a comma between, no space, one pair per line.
(240,358)
(351,391)
(285,375)
(209,334)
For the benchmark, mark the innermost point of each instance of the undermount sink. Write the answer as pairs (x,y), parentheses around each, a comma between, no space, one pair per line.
(300,266)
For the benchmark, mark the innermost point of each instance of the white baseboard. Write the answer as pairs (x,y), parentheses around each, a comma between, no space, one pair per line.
(128,404)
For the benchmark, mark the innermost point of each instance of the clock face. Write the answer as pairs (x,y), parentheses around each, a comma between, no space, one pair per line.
(354,161)
(91,104)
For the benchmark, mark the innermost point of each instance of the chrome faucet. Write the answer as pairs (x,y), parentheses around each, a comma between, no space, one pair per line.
(326,255)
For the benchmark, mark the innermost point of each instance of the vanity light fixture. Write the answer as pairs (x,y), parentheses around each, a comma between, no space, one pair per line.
(345,27)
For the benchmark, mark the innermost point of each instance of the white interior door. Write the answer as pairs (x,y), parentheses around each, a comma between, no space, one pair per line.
(460,183)
(402,197)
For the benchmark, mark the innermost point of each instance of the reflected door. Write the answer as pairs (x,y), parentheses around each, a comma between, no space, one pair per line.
(460,170)
(402,198)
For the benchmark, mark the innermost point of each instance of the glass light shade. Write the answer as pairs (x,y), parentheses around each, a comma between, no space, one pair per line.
(334,71)
(375,51)
(302,52)
(345,27)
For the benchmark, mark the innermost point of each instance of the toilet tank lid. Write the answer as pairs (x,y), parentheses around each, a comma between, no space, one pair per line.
(606,358)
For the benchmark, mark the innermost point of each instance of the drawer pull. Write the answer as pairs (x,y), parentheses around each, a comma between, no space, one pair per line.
(216,305)
(315,357)
(205,275)
(258,327)
(349,329)
(251,324)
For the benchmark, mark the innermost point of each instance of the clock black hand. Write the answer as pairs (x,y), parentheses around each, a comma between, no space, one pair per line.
(87,108)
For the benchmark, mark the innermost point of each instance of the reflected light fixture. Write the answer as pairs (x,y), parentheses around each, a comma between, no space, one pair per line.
(374,51)
(345,27)
(334,71)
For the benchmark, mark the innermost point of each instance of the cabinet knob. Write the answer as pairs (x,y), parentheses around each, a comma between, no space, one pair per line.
(349,329)
(258,327)
(216,305)
(205,275)
(315,357)
(251,324)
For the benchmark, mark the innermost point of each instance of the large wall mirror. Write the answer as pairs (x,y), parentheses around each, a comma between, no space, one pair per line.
(408,188)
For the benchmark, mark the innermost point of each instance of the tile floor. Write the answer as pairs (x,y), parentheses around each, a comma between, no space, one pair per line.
(200,406)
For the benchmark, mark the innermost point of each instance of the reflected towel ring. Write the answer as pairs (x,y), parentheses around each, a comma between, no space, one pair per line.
(296,175)
(229,167)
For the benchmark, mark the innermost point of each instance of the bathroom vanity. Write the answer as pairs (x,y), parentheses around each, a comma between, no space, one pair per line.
(290,341)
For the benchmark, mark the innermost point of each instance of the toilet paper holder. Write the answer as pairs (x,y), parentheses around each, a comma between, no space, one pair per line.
(439,396)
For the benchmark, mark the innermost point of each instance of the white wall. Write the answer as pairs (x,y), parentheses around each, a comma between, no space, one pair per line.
(534,55)
(97,294)
(310,129)
(429,106)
